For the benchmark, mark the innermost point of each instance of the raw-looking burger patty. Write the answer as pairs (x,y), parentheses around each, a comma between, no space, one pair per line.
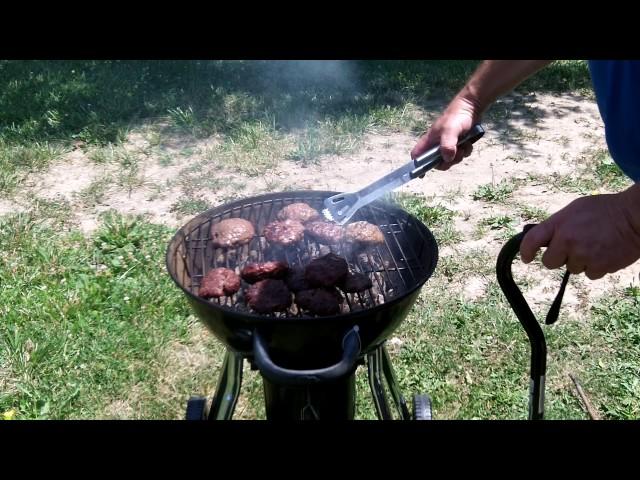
(285,232)
(326,271)
(268,296)
(325,232)
(296,281)
(232,232)
(364,233)
(320,301)
(254,272)
(219,282)
(298,211)
(356,282)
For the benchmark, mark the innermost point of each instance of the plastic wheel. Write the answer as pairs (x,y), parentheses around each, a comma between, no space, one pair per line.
(421,407)
(196,408)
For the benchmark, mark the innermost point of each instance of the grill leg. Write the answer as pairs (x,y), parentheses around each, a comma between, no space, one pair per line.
(398,398)
(228,389)
(379,365)
(374,365)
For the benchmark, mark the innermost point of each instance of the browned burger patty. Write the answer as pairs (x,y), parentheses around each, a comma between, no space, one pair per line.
(254,272)
(356,282)
(320,301)
(326,271)
(298,211)
(325,232)
(219,282)
(296,281)
(285,232)
(231,232)
(364,233)
(268,296)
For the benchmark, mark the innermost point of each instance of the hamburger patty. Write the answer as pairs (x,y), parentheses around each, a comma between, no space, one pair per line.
(326,271)
(325,232)
(296,281)
(254,272)
(356,282)
(298,211)
(364,233)
(320,301)
(285,232)
(231,232)
(219,282)
(268,296)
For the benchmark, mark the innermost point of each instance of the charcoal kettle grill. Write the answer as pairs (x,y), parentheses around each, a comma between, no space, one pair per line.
(308,363)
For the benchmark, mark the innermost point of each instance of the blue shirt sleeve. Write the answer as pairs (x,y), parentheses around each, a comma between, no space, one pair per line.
(616,84)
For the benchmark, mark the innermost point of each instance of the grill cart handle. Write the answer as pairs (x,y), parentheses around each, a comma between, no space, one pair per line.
(351,350)
(528,320)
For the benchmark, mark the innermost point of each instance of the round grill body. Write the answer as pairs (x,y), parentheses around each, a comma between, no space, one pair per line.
(397,268)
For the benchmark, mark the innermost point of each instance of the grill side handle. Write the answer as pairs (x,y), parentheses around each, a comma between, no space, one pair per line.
(351,346)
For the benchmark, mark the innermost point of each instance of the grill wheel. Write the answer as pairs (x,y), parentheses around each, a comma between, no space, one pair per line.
(196,408)
(421,407)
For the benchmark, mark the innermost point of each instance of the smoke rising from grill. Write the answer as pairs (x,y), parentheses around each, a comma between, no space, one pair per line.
(306,90)
(336,74)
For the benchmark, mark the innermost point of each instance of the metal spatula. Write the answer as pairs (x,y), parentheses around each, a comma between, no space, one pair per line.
(341,207)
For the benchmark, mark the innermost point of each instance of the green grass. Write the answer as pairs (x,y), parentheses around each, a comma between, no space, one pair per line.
(477,261)
(56,214)
(596,172)
(98,102)
(95,192)
(83,319)
(252,149)
(478,366)
(606,171)
(329,138)
(503,224)
(615,370)
(190,206)
(497,222)
(530,213)
(18,161)
(129,175)
(495,193)
(437,218)
(103,155)
(81,334)
(561,76)
(182,119)
(205,175)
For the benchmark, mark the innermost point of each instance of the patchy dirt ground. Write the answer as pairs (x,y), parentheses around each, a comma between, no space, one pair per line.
(544,134)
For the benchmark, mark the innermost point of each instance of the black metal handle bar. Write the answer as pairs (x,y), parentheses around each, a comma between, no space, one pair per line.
(528,320)
(351,346)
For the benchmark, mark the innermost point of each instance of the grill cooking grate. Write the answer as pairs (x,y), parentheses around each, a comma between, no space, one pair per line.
(393,267)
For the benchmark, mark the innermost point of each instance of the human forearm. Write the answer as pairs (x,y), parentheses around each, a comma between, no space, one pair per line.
(494,78)
(491,79)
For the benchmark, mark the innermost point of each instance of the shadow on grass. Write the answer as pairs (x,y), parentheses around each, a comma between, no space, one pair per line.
(98,101)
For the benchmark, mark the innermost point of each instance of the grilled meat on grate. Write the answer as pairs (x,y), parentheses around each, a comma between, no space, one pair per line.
(268,296)
(232,232)
(219,282)
(254,272)
(298,211)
